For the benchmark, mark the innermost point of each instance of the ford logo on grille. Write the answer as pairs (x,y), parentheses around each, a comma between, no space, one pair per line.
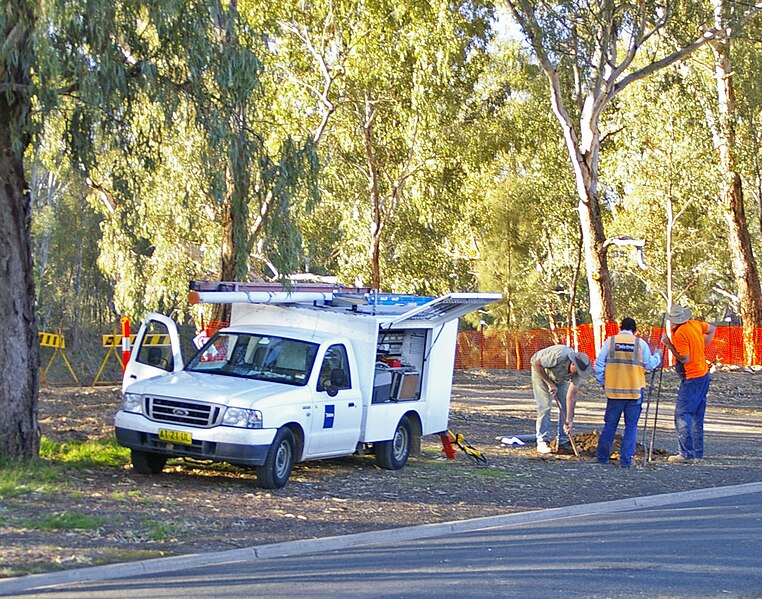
(180,412)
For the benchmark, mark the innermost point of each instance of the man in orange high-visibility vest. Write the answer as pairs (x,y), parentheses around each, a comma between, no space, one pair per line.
(620,370)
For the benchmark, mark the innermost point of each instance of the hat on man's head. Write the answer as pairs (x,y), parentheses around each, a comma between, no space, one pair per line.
(678,314)
(582,362)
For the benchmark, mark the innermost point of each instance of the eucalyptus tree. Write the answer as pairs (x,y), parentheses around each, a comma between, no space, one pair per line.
(118,74)
(723,125)
(387,81)
(19,347)
(71,289)
(529,239)
(590,52)
(660,178)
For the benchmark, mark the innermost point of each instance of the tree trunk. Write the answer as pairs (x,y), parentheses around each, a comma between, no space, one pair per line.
(583,152)
(744,269)
(375,262)
(573,336)
(376,202)
(742,255)
(228,269)
(19,344)
(596,259)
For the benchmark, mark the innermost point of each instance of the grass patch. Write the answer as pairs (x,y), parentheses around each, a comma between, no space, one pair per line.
(493,473)
(134,496)
(66,521)
(160,530)
(85,454)
(110,556)
(33,476)
(48,473)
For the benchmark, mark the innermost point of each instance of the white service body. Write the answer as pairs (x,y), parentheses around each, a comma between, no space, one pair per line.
(396,368)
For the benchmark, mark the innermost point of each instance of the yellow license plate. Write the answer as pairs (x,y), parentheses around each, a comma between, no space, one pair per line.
(175,436)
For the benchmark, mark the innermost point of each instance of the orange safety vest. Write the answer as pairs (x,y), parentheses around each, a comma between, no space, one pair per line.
(625,376)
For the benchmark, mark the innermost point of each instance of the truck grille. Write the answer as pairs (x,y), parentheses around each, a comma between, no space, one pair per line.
(182,411)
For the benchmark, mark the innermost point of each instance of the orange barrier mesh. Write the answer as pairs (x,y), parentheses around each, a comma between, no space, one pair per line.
(512,350)
(215,325)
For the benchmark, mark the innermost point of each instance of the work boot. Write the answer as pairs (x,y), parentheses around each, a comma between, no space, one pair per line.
(543,447)
(565,448)
(679,459)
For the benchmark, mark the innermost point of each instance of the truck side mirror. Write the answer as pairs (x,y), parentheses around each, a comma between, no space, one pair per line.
(331,390)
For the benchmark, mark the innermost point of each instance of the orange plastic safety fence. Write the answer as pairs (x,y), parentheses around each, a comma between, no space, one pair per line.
(512,350)
(215,325)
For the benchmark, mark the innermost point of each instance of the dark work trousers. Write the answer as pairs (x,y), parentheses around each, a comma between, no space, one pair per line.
(614,409)
(689,416)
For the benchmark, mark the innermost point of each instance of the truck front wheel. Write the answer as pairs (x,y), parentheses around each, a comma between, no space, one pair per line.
(274,473)
(392,455)
(146,462)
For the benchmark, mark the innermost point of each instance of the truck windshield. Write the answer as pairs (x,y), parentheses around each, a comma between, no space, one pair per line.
(260,357)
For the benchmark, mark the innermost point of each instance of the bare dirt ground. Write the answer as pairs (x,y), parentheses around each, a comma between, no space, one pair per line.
(196,508)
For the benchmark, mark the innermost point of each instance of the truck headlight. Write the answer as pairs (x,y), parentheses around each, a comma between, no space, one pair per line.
(242,418)
(132,402)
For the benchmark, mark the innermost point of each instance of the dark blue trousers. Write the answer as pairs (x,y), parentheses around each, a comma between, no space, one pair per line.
(614,410)
(689,416)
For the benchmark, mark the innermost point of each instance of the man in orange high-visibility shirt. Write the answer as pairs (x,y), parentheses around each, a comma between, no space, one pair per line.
(689,340)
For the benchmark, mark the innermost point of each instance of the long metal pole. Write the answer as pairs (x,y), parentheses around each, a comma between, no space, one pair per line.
(656,416)
(651,385)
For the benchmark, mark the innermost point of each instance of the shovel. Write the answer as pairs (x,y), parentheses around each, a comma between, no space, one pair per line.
(571,437)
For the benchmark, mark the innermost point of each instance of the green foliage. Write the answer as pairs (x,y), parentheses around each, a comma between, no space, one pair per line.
(33,476)
(267,139)
(393,78)
(667,163)
(529,232)
(71,290)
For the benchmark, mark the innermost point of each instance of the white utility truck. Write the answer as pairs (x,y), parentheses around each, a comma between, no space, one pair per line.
(301,374)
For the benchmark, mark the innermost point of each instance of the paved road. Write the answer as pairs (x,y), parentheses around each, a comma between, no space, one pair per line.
(670,548)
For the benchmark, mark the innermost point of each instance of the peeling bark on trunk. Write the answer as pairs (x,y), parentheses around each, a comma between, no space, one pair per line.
(744,269)
(19,344)
(731,195)
(596,265)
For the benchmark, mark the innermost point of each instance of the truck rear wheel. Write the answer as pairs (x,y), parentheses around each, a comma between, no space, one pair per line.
(274,473)
(146,462)
(392,455)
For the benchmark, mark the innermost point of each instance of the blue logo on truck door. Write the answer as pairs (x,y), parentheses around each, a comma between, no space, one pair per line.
(328,417)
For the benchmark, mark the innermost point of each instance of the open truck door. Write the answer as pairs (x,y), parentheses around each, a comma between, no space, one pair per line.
(156,350)
(442,309)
